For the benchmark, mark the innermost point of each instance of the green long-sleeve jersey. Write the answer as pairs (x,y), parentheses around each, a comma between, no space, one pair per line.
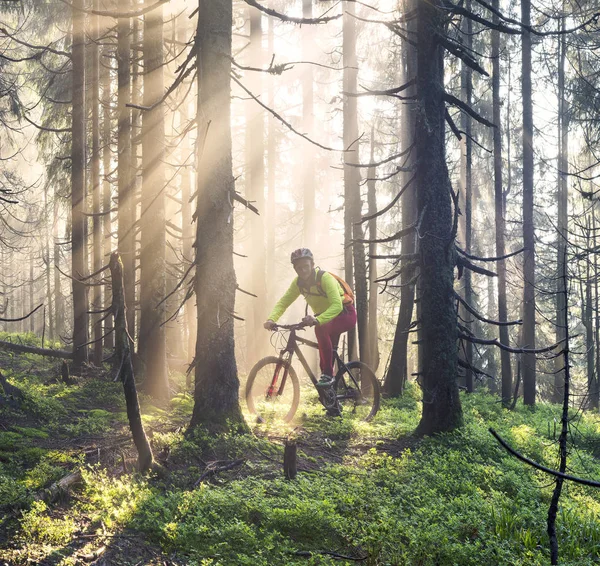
(326,308)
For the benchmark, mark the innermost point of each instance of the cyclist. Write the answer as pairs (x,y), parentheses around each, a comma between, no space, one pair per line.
(333,307)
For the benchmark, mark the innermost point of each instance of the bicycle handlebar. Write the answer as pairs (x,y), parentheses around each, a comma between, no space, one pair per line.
(297,326)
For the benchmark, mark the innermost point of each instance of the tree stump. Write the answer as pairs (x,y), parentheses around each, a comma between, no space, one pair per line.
(290,464)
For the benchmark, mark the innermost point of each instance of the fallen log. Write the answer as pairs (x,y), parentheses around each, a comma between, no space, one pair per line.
(59,488)
(48,352)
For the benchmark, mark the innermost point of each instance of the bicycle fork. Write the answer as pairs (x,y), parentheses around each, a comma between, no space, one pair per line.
(273,390)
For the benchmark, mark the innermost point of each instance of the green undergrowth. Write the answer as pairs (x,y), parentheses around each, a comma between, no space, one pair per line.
(369,491)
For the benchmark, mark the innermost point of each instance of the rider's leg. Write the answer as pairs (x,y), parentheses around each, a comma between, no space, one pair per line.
(329,333)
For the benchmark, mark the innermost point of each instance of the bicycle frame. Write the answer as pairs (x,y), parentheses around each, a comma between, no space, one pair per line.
(292,348)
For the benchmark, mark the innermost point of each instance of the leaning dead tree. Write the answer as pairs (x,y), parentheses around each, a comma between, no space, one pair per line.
(123,346)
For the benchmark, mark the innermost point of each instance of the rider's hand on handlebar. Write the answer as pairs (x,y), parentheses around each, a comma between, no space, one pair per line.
(310,321)
(270,325)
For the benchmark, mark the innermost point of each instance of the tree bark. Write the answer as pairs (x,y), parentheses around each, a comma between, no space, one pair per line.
(529,362)
(78,234)
(151,336)
(216,396)
(441,403)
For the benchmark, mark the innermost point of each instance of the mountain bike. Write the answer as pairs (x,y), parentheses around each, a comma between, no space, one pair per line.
(273,389)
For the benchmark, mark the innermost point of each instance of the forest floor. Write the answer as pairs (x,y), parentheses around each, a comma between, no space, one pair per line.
(366,493)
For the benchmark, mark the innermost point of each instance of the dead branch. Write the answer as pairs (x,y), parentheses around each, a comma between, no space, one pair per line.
(279,117)
(213,469)
(22,317)
(534,464)
(481,317)
(246,203)
(119,15)
(462,263)
(508,348)
(291,19)
(450,99)
(477,258)
(390,205)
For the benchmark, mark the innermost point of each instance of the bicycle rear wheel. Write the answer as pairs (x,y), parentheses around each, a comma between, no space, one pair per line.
(272,390)
(358,390)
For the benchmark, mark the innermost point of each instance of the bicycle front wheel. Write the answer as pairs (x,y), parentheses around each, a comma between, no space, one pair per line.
(358,390)
(272,390)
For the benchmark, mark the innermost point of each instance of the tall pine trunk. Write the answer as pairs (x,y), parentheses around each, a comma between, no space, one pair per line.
(441,403)
(467,187)
(373,285)
(529,362)
(309,154)
(354,257)
(397,372)
(499,214)
(126,210)
(256,337)
(562,220)
(95,170)
(351,144)
(78,231)
(106,192)
(216,395)
(151,336)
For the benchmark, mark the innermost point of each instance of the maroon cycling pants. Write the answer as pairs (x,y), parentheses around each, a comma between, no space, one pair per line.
(329,334)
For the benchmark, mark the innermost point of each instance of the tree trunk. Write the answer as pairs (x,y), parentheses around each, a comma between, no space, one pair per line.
(126,210)
(441,403)
(373,285)
(123,350)
(78,234)
(397,372)
(466,187)
(106,194)
(352,210)
(95,169)
(151,336)
(271,166)
(46,251)
(31,288)
(563,320)
(529,362)
(499,214)
(562,220)
(256,337)
(59,300)
(596,309)
(216,396)
(309,154)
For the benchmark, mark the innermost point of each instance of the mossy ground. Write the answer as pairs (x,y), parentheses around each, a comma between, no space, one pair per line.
(368,491)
